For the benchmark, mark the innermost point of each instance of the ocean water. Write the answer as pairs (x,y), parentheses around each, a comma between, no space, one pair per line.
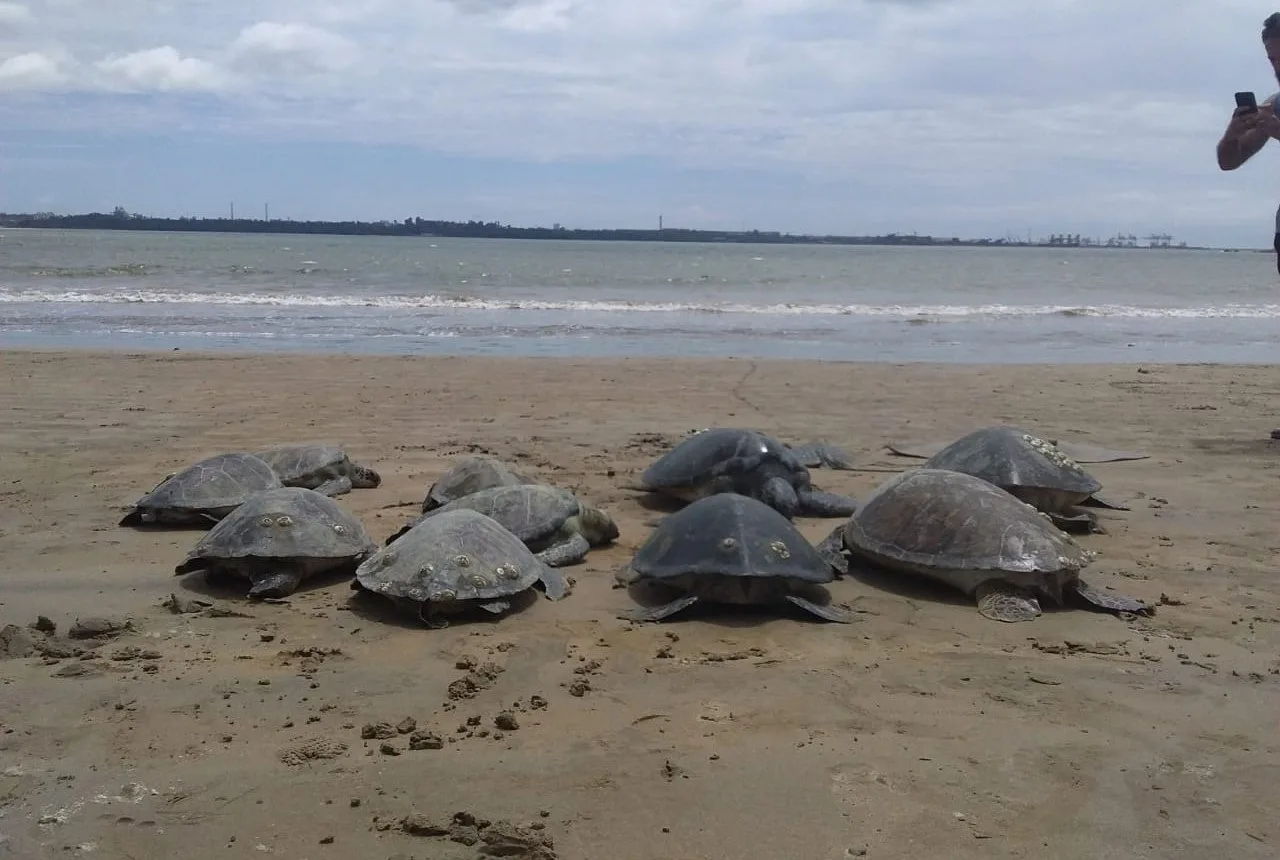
(391,295)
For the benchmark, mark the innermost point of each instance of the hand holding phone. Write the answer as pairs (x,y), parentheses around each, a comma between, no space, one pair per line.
(1246,102)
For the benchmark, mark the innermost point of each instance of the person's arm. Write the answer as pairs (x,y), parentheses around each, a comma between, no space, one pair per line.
(1237,147)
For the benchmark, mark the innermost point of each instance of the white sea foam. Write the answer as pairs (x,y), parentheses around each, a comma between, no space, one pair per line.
(475,303)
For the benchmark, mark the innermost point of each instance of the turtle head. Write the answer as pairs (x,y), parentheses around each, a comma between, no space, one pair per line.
(777,493)
(364,478)
(597,526)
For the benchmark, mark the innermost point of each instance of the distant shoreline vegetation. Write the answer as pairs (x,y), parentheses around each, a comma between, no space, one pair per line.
(119,219)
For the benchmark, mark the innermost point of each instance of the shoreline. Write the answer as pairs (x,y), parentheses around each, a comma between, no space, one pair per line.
(921,728)
(229,353)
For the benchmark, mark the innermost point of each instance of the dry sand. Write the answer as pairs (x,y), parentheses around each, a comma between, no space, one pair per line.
(922,730)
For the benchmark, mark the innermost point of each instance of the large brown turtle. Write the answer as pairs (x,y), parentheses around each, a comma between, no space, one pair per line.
(965,532)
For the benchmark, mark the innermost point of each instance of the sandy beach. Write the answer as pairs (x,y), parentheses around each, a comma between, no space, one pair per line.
(920,730)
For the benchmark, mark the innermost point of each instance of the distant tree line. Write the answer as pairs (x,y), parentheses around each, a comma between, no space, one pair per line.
(120,219)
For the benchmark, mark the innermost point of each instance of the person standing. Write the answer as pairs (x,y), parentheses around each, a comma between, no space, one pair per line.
(1250,128)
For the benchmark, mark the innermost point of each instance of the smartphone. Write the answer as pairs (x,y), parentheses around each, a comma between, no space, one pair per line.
(1246,102)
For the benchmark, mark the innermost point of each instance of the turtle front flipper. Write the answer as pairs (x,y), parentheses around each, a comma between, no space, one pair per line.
(1000,601)
(553,582)
(657,613)
(1101,599)
(335,486)
(816,503)
(1074,521)
(274,583)
(828,613)
(1096,501)
(817,454)
(832,550)
(571,549)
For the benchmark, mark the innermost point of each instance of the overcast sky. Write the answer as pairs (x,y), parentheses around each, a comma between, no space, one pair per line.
(948,117)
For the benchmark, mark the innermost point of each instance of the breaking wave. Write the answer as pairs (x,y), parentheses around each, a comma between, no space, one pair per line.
(918,312)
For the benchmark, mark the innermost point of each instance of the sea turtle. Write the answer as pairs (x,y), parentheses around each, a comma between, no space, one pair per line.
(472,474)
(553,523)
(452,561)
(970,534)
(729,548)
(733,460)
(278,538)
(324,468)
(1033,469)
(815,454)
(204,492)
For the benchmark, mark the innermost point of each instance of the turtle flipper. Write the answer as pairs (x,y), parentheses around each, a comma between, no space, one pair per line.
(497,607)
(554,583)
(1102,599)
(1096,501)
(1074,520)
(574,548)
(778,494)
(816,454)
(828,613)
(335,486)
(657,613)
(832,550)
(1000,601)
(275,583)
(819,504)
(427,615)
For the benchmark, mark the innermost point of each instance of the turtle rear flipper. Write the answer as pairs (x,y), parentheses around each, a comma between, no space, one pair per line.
(816,503)
(571,549)
(828,613)
(1101,599)
(657,613)
(1000,601)
(817,454)
(553,582)
(274,583)
(832,550)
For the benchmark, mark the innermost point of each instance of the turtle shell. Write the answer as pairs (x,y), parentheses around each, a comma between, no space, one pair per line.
(529,511)
(1014,459)
(696,458)
(469,476)
(959,529)
(454,555)
(297,462)
(728,535)
(214,484)
(287,522)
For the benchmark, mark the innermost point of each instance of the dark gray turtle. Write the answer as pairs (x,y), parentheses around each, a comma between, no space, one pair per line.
(747,462)
(1033,469)
(453,561)
(204,492)
(556,526)
(815,454)
(324,468)
(472,474)
(278,538)
(970,534)
(730,548)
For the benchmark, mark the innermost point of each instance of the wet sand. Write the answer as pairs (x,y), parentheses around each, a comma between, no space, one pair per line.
(922,729)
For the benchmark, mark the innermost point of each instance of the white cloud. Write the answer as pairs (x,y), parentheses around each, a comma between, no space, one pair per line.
(290,49)
(161,70)
(31,71)
(987,103)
